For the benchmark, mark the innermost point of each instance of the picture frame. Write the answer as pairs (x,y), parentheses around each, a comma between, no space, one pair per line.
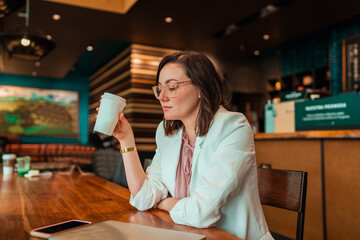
(39,112)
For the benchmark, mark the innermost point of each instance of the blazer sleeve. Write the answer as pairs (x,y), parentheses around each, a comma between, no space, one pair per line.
(153,189)
(219,181)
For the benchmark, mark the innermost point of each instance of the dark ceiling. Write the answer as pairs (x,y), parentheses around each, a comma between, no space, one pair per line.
(228,29)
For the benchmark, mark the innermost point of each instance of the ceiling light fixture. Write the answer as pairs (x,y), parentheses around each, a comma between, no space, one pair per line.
(256,52)
(56,17)
(89,48)
(266,36)
(26,43)
(269,9)
(168,19)
(262,13)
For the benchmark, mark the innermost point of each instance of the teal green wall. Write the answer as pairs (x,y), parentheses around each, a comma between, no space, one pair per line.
(320,49)
(338,33)
(73,82)
(306,54)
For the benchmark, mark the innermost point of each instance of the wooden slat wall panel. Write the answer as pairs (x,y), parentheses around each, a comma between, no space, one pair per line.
(131,75)
(110,64)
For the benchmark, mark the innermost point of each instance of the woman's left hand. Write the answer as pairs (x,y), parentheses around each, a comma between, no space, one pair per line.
(167,204)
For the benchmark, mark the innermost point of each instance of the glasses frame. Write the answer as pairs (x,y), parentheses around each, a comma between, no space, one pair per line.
(167,88)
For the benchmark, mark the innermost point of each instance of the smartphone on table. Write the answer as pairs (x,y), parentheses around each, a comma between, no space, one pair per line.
(45,232)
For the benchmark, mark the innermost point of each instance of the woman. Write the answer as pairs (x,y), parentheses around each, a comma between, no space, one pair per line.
(204,171)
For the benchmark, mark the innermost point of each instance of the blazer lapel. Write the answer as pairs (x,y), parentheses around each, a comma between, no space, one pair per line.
(197,150)
(172,159)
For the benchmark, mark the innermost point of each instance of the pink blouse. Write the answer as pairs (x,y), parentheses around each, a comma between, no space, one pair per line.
(183,172)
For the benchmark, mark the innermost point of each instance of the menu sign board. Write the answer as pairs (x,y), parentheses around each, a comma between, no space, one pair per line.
(351,63)
(334,113)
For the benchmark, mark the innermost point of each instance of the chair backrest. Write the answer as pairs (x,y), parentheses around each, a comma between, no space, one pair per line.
(105,163)
(284,189)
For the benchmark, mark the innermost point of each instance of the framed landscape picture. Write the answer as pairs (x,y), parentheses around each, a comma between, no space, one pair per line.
(39,112)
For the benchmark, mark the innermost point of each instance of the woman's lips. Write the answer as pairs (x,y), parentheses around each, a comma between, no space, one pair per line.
(165,108)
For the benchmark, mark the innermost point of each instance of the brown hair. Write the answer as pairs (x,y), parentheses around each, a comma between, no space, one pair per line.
(214,90)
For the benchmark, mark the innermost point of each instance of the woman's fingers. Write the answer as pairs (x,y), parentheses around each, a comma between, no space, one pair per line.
(121,116)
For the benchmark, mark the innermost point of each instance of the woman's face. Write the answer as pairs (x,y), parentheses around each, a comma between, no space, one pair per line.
(185,105)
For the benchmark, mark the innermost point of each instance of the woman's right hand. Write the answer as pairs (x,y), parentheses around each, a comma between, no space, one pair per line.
(123,132)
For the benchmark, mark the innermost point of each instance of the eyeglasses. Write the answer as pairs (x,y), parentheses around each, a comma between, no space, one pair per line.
(170,88)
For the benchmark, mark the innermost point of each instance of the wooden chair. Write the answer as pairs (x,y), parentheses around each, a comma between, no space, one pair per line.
(284,189)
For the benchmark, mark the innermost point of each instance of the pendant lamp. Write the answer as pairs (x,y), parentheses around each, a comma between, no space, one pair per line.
(26,43)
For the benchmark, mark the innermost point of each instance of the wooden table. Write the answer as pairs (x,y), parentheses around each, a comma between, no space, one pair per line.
(27,203)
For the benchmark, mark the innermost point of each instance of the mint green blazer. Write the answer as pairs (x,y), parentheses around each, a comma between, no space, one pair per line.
(224,186)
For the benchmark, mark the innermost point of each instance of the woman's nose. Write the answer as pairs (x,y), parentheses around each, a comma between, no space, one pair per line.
(163,95)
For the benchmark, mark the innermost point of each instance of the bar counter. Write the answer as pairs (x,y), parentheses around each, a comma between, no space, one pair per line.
(332,160)
(335,134)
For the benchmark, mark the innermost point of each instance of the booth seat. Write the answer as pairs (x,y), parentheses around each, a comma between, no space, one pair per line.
(69,153)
